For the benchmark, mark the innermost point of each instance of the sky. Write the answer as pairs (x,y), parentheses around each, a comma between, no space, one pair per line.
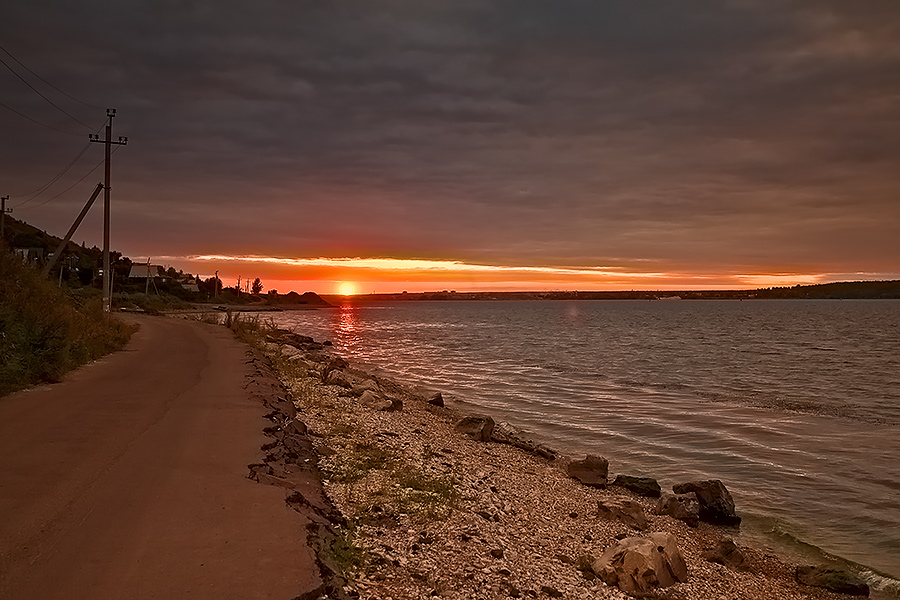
(466,144)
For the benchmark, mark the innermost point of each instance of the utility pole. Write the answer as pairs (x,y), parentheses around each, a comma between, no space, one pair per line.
(107,279)
(3,211)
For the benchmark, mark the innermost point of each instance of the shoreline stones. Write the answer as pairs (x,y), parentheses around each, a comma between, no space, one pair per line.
(592,471)
(622,510)
(716,503)
(478,427)
(684,507)
(642,486)
(727,553)
(835,580)
(638,565)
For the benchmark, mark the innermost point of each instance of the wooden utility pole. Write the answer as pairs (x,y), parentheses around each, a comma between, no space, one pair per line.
(3,211)
(107,278)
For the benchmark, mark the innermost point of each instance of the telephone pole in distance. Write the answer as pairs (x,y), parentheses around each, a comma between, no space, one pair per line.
(3,211)
(107,278)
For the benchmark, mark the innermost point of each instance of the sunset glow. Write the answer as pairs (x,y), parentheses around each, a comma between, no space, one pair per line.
(392,275)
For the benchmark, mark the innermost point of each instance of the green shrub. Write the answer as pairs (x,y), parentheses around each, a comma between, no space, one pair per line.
(45,330)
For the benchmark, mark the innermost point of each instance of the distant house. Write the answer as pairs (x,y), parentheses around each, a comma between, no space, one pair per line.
(144,271)
(30,254)
(191,284)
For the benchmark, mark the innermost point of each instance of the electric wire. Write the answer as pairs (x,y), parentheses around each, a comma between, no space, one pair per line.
(85,176)
(24,116)
(21,64)
(37,192)
(38,92)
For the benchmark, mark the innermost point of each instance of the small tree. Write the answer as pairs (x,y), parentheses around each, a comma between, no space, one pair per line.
(257,286)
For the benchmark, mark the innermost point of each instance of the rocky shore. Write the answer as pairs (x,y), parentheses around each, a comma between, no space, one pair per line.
(423,502)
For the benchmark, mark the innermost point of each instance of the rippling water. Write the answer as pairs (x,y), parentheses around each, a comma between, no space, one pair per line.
(795,405)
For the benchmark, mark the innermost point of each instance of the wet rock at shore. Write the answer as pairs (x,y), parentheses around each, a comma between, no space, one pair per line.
(835,580)
(477,427)
(621,510)
(504,433)
(684,507)
(727,553)
(716,503)
(637,565)
(642,486)
(436,400)
(592,471)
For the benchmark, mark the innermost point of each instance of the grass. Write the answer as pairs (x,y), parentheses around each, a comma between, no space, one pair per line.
(45,330)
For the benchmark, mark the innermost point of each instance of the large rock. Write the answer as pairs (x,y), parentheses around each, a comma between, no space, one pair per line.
(835,580)
(369,397)
(727,553)
(369,385)
(480,428)
(593,470)
(505,433)
(339,378)
(716,504)
(436,400)
(643,486)
(684,507)
(622,510)
(637,565)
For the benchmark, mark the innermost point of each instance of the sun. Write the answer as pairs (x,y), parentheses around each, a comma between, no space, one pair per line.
(347,289)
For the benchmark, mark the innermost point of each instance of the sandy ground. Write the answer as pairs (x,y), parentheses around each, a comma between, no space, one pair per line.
(129,479)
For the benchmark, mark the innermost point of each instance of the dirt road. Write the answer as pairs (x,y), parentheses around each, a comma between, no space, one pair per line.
(128,479)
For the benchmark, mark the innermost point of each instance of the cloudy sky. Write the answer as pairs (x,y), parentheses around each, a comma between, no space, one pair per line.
(467,144)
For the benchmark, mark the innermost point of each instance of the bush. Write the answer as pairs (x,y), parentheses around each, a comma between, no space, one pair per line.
(46,331)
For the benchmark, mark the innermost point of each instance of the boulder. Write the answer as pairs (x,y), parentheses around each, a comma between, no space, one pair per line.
(368,385)
(369,397)
(637,565)
(338,378)
(835,580)
(436,400)
(505,433)
(642,486)
(716,504)
(592,471)
(727,553)
(480,428)
(684,507)
(621,510)
(393,405)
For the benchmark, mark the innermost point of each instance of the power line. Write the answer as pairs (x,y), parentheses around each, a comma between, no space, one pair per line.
(85,176)
(35,193)
(88,104)
(24,116)
(38,92)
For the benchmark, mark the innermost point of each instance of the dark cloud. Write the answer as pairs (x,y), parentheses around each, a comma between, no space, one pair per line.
(737,135)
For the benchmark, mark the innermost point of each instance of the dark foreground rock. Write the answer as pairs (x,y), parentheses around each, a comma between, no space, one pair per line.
(684,507)
(716,503)
(643,486)
(835,580)
(504,433)
(479,428)
(437,400)
(727,553)
(637,565)
(592,471)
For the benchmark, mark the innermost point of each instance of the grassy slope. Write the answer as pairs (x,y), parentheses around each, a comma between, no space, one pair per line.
(46,331)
